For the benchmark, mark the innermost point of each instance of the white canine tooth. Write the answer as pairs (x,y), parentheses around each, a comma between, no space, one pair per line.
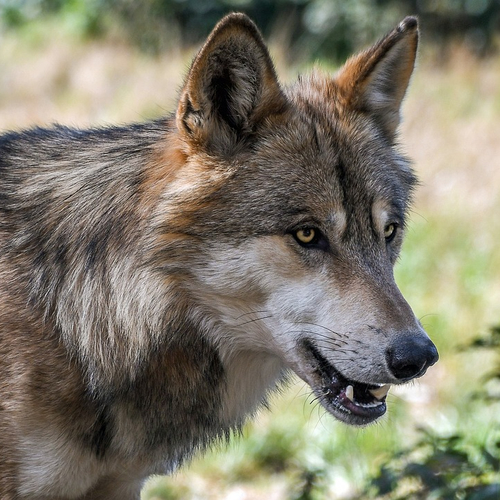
(380,392)
(349,392)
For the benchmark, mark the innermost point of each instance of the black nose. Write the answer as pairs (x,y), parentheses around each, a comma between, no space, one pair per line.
(410,356)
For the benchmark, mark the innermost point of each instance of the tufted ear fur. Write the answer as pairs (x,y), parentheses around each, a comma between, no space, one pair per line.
(230,88)
(375,81)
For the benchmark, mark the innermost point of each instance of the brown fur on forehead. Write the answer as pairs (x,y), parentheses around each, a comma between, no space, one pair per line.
(316,94)
(306,161)
(328,150)
(349,134)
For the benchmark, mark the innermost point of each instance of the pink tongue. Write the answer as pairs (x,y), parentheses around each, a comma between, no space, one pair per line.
(353,407)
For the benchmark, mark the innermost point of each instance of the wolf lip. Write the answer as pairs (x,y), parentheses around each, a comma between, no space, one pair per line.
(352,402)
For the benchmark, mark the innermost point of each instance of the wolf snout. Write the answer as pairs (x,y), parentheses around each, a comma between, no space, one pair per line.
(410,357)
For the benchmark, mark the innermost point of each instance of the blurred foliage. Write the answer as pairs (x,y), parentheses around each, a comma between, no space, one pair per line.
(447,467)
(312,28)
(444,468)
(491,388)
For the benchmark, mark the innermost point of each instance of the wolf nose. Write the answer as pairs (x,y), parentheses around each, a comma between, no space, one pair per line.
(411,357)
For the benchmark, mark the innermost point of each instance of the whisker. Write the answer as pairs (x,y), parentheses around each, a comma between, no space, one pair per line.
(324,327)
(324,338)
(303,392)
(306,400)
(329,338)
(426,316)
(342,350)
(253,321)
(337,358)
(377,330)
(251,312)
(316,399)
(329,342)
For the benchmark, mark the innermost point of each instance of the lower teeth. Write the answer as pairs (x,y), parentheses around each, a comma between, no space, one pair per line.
(349,394)
(369,405)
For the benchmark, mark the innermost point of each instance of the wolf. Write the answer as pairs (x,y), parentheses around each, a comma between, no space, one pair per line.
(159,280)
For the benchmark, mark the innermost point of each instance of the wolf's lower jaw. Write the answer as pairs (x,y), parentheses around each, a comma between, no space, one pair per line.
(351,402)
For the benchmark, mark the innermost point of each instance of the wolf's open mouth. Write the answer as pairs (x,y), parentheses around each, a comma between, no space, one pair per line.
(352,402)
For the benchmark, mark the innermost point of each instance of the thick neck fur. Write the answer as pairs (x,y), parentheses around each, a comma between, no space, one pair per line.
(121,313)
(68,227)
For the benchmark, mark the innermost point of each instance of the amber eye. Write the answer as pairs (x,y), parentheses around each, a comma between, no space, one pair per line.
(390,232)
(306,235)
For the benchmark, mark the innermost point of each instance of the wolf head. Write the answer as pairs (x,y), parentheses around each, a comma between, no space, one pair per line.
(294,205)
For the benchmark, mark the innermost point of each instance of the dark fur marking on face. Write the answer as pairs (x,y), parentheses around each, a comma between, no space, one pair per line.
(100,435)
(373,222)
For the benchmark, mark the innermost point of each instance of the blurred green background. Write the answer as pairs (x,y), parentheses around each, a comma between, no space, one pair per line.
(317,28)
(96,62)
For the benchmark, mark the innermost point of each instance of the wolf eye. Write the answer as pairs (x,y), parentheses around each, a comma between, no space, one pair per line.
(390,232)
(306,235)
(310,237)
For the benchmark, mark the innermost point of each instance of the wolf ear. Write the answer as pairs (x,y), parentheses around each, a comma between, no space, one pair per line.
(375,81)
(230,88)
